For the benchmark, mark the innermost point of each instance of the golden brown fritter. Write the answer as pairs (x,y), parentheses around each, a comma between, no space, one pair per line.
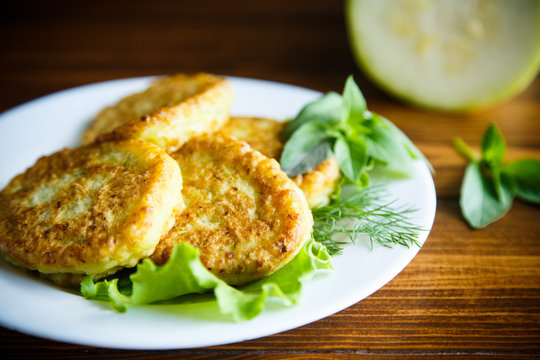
(319,183)
(90,210)
(168,113)
(264,135)
(244,214)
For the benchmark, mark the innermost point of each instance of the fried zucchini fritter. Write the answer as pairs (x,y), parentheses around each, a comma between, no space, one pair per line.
(90,210)
(168,113)
(264,135)
(261,134)
(244,214)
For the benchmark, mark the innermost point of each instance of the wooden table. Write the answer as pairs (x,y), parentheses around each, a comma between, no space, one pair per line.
(468,294)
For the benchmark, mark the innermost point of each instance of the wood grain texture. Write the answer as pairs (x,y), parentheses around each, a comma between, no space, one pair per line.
(467,295)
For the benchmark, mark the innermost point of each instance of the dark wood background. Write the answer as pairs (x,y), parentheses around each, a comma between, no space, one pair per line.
(467,295)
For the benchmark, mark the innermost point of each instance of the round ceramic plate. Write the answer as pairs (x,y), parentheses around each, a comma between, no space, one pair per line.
(35,307)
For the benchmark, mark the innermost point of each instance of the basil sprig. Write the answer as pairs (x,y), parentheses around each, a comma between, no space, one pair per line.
(490,184)
(342,127)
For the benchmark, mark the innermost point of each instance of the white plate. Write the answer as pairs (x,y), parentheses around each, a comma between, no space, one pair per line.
(28,305)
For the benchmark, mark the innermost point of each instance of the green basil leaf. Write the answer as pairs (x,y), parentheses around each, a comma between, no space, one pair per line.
(526,174)
(351,155)
(389,150)
(413,151)
(309,159)
(304,151)
(324,110)
(356,126)
(493,145)
(364,180)
(354,104)
(479,203)
(496,176)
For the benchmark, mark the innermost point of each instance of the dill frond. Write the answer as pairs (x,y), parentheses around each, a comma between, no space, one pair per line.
(356,213)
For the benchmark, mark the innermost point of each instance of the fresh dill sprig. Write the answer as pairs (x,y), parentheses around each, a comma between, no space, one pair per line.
(361,213)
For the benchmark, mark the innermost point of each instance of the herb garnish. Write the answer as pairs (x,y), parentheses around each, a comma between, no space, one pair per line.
(490,184)
(357,213)
(342,127)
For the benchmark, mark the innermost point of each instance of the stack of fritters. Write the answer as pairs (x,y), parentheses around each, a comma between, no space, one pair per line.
(161,167)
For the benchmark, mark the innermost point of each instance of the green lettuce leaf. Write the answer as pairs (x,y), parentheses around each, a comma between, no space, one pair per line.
(184,274)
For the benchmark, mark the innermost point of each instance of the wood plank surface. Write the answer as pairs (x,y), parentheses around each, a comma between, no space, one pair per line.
(468,294)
